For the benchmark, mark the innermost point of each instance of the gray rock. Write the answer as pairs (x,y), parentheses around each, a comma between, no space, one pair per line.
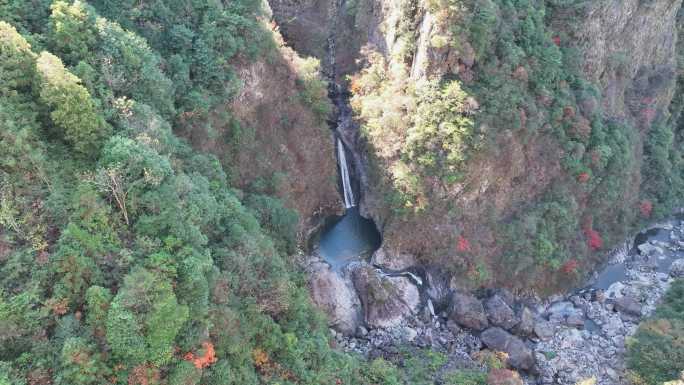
(466,310)
(438,288)
(544,330)
(526,325)
(392,261)
(386,300)
(519,355)
(335,295)
(500,313)
(649,249)
(628,305)
(677,268)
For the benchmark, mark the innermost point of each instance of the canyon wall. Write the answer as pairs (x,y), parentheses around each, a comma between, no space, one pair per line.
(563,99)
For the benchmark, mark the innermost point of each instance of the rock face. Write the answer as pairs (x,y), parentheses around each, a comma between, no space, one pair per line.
(677,268)
(392,261)
(466,310)
(519,355)
(499,313)
(628,305)
(386,300)
(335,295)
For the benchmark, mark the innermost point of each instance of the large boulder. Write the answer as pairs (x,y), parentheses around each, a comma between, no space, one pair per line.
(335,295)
(386,300)
(677,268)
(628,305)
(500,313)
(466,310)
(519,355)
(392,261)
(526,325)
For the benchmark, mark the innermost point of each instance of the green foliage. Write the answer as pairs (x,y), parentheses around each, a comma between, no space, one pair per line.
(81,364)
(466,377)
(144,319)
(72,110)
(656,352)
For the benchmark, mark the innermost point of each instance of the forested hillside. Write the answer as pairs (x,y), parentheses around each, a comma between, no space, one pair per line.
(126,257)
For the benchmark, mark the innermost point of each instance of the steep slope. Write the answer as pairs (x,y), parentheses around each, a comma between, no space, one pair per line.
(507,139)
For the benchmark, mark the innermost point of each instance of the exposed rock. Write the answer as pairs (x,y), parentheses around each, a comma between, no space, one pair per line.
(544,330)
(526,325)
(392,261)
(499,313)
(677,268)
(628,305)
(335,295)
(649,249)
(468,311)
(519,355)
(504,377)
(566,313)
(438,288)
(386,300)
(615,290)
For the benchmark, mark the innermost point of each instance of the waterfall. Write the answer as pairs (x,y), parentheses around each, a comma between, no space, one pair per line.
(344,173)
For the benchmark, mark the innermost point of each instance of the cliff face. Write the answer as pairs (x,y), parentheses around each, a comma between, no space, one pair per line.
(285,147)
(563,101)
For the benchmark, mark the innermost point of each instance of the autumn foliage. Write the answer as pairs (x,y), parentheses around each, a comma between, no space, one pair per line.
(583,177)
(594,240)
(462,244)
(646,208)
(205,360)
(570,266)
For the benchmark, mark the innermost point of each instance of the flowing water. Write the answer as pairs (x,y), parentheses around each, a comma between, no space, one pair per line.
(344,175)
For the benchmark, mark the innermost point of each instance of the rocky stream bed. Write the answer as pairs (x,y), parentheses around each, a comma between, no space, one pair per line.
(378,307)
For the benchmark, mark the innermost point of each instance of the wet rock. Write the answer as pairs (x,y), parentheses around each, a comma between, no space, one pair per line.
(438,288)
(677,268)
(615,290)
(649,249)
(386,300)
(628,305)
(500,313)
(466,310)
(390,261)
(519,355)
(335,295)
(544,330)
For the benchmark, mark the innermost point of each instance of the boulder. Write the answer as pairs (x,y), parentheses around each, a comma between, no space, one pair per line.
(628,305)
(335,295)
(526,325)
(677,268)
(545,330)
(649,249)
(390,261)
(519,355)
(386,300)
(466,310)
(500,313)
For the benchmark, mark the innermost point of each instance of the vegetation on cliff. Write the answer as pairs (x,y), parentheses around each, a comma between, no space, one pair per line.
(449,145)
(656,352)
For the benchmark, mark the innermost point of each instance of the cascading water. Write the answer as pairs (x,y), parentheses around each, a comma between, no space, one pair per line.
(351,236)
(344,175)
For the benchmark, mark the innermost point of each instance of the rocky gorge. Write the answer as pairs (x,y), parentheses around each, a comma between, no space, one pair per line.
(562,339)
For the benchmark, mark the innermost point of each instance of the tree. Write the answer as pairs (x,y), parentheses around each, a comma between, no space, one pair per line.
(144,319)
(16,60)
(72,110)
(72,31)
(81,364)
